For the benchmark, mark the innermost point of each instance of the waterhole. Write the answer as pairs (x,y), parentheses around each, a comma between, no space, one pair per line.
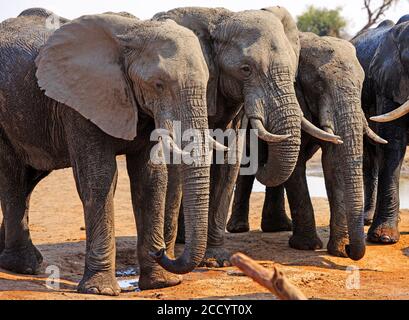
(316,186)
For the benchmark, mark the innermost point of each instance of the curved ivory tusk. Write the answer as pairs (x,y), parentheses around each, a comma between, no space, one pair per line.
(370,133)
(318,133)
(373,136)
(264,135)
(171,146)
(328,130)
(393,115)
(213,144)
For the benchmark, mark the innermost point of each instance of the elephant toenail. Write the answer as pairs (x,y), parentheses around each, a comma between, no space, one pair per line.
(386,238)
(93,290)
(108,292)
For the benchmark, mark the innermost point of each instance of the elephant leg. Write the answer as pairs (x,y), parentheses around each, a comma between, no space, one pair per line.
(2,237)
(274,217)
(239,219)
(384,228)
(302,213)
(172,215)
(148,188)
(370,171)
(223,179)
(95,173)
(334,183)
(18,254)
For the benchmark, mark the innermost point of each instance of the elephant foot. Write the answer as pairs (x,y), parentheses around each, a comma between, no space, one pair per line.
(25,260)
(158,280)
(216,257)
(238,224)
(336,247)
(303,242)
(102,283)
(384,233)
(279,224)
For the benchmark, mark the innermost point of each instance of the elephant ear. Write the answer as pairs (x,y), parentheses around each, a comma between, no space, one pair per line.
(82,66)
(290,27)
(387,67)
(202,22)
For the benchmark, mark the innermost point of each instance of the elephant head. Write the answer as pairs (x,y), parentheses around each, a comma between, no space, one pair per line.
(252,58)
(329,86)
(389,69)
(110,69)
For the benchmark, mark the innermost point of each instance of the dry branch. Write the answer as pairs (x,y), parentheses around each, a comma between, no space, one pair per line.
(274,280)
(374,14)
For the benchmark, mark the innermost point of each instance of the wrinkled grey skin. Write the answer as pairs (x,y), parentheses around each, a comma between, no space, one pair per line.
(144,88)
(252,57)
(329,85)
(384,55)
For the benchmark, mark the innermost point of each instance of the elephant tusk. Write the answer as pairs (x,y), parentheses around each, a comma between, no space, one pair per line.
(393,115)
(373,136)
(328,130)
(213,144)
(320,134)
(370,133)
(171,146)
(264,135)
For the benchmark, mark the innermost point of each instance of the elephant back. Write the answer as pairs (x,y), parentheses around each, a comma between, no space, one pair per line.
(30,30)
(20,41)
(366,45)
(368,42)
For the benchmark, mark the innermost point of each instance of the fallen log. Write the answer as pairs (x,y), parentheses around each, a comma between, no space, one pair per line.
(274,280)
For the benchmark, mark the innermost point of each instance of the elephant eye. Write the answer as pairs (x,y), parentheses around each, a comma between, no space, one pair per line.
(245,70)
(127,50)
(159,85)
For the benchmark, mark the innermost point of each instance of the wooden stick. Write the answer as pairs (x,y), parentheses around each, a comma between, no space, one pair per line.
(274,281)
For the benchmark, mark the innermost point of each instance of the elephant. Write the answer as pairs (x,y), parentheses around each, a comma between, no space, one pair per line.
(383,53)
(328,86)
(78,96)
(252,57)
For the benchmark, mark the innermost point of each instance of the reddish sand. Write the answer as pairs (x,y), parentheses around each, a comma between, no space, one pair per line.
(56,223)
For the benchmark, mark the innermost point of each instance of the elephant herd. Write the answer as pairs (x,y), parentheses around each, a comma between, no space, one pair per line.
(97,87)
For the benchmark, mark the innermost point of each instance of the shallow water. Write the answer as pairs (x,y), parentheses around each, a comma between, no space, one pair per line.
(316,186)
(129,285)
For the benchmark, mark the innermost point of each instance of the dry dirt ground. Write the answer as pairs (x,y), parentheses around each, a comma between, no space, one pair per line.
(56,223)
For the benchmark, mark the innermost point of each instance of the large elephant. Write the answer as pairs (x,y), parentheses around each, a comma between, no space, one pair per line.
(329,85)
(384,54)
(252,57)
(77,97)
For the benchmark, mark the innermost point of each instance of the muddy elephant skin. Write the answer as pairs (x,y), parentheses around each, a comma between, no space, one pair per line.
(81,95)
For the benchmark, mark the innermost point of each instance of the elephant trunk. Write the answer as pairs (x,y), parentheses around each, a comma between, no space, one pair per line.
(350,127)
(196,177)
(282,117)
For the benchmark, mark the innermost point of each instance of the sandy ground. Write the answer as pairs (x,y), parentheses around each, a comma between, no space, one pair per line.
(56,223)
